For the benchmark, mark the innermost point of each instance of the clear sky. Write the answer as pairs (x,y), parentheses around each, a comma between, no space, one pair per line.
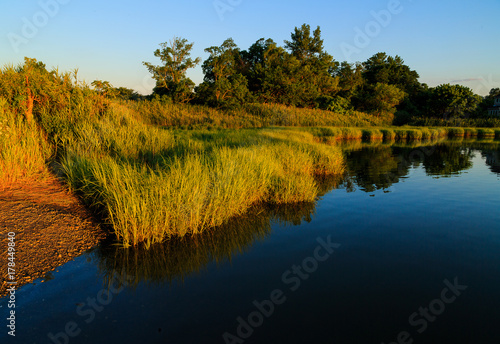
(444,41)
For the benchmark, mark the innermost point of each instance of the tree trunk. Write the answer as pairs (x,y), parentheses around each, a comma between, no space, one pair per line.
(29,103)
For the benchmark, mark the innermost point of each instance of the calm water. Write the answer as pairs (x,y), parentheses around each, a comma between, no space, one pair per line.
(405,247)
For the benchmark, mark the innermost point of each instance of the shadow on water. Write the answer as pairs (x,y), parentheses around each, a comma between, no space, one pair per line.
(178,258)
(370,167)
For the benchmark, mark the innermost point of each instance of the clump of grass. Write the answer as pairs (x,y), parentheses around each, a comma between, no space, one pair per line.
(470,132)
(401,134)
(439,132)
(372,134)
(328,135)
(455,132)
(24,149)
(388,134)
(352,134)
(414,134)
(150,189)
(426,134)
(485,132)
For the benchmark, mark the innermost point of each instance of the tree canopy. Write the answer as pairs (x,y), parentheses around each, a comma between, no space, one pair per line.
(171,79)
(302,73)
(223,85)
(452,101)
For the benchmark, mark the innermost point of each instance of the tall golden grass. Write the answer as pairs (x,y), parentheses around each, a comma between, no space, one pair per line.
(254,115)
(151,183)
(24,149)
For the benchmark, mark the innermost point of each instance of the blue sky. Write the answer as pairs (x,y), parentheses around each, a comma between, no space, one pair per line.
(444,41)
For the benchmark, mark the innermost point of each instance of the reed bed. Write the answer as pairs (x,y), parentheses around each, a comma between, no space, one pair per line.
(455,132)
(372,134)
(485,132)
(24,149)
(253,115)
(470,132)
(388,134)
(332,135)
(151,184)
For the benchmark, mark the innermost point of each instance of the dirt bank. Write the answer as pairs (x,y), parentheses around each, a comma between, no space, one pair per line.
(51,227)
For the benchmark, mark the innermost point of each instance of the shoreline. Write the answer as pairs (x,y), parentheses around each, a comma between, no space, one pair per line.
(51,225)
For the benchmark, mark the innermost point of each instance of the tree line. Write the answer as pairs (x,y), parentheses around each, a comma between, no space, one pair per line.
(302,73)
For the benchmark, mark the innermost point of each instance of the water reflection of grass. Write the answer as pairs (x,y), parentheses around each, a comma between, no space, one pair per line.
(177,258)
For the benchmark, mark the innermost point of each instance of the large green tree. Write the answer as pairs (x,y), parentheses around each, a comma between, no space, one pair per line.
(317,67)
(279,77)
(383,98)
(382,68)
(350,77)
(252,61)
(452,101)
(224,85)
(171,79)
(304,46)
(392,71)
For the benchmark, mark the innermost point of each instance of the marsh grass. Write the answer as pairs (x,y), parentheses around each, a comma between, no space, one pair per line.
(252,115)
(177,258)
(334,135)
(372,134)
(470,132)
(151,184)
(388,134)
(24,149)
(455,132)
(414,134)
(485,132)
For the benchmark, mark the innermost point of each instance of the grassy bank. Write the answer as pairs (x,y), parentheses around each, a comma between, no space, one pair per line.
(185,116)
(491,122)
(399,134)
(24,149)
(150,183)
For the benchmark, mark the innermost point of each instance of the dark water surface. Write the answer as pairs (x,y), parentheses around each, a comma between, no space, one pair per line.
(404,249)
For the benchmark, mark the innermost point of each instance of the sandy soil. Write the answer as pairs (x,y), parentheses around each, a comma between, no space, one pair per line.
(51,226)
